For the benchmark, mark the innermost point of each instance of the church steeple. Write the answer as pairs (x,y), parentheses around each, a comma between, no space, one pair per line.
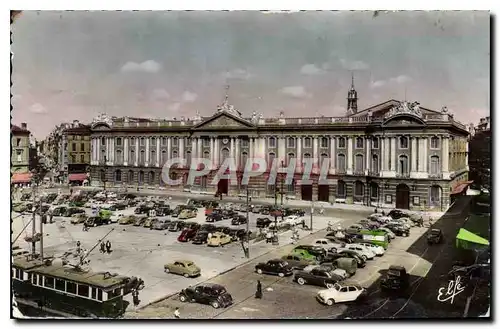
(352,99)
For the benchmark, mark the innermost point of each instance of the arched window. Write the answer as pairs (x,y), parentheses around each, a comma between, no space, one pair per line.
(153,141)
(141,177)
(188,159)
(359,142)
(290,158)
(163,156)
(435,196)
(206,155)
(152,158)
(119,156)
(341,143)
(103,141)
(142,157)
(132,156)
(244,159)
(118,175)
(435,167)
(175,154)
(151,177)
(130,176)
(102,175)
(374,191)
(307,142)
(291,142)
(359,163)
(341,165)
(403,165)
(224,155)
(341,189)
(375,142)
(324,161)
(375,163)
(307,155)
(175,141)
(359,188)
(272,142)
(270,159)
(143,141)
(324,142)
(403,142)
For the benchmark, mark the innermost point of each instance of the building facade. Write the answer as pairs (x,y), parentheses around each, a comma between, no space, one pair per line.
(20,150)
(480,153)
(394,154)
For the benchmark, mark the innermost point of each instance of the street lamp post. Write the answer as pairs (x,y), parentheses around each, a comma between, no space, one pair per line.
(105,169)
(282,191)
(312,211)
(247,249)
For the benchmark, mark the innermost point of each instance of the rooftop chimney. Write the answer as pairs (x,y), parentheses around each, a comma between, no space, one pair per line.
(24,125)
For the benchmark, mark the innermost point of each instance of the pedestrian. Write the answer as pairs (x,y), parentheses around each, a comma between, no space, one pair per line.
(135,298)
(103,247)
(376,210)
(258,293)
(177,314)
(108,247)
(269,237)
(51,218)
(303,224)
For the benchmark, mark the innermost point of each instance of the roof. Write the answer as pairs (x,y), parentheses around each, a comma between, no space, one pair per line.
(460,187)
(25,263)
(388,104)
(98,279)
(17,129)
(18,178)
(465,235)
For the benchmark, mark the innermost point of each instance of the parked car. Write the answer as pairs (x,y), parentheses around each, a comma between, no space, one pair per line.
(213,217)
(329,245)
(96,221)
(263,222)
(185,268)
(398,229)
(256,209)
(238,220)
(341,293)
(161,224)
(116,217)
(396,214)
(139,221)
(347,264)
(218,239)
(141,210)
(361,262)
(223,229)
(390,234)
(201,237)
(276,267)
(176,226)
(297,261)
(318,276)
(316,251)
(396,279)
(187,213)
(237,234)
(363,251)
(435,236)
(150,222)
(78,218)
(188,233)
(293,220)
(127,220)
(211,294)
(163,211)
(377,250)
(208,228)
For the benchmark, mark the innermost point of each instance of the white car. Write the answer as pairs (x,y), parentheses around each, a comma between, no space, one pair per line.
(388,231)
(116,217)
(383,219)
(293,220)
(340,293)
(374,216)
(362,250)
(400,223)
(328,245)
(378,250)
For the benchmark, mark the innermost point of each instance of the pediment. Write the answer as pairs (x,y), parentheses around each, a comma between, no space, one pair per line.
(223,120)
(404,120)
(100,126)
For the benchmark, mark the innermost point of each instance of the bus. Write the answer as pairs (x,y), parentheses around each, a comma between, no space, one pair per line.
(376,237)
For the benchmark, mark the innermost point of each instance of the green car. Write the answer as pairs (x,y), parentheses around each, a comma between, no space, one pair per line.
(303,254)
(185,268)
(105,214)
(297,261)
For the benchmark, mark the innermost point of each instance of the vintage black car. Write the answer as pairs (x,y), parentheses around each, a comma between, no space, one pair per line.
(318,276)
(397,214)
(396,279)
(96,221)
(163,211)
(277,267)
(228,214)
(398,230)
(435,236)
(237,234)
(214,217)
(263,222)
(211,294)
(208,228)
(238,220)
(223,229)
(176,226)
(200,237)
(317,251)
(142,210)
(349,254)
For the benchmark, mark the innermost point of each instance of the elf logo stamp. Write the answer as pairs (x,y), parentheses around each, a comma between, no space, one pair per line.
(448,293)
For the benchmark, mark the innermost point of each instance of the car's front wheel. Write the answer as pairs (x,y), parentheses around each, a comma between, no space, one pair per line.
(281,275)
(186,275)
(167,270)
(215,304)
(183,298)
(259,271)
(330,302)
(328,285)
(301,281)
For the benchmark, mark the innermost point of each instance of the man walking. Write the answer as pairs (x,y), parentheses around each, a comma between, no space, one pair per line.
(258,293)
(108,247)
(177,314)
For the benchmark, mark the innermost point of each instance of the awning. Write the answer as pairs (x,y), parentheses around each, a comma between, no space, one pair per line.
(21,178)
(459,188)
(77,177)
(469,240)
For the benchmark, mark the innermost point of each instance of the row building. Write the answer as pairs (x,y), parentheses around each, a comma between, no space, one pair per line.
(393,154)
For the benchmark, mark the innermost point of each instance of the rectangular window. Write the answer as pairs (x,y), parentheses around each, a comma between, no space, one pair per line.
(82,159)
(153,141)
(244,142)
(206,142)
(82,147)
(307,142)
(359,143)
(375,143)
(324,142)
(416,201)
(73,147)
(93,292)
(175,142)
(83,290)
(143,141)
(291,142)
(118,141)
(18,141)
(272,142)
(71,288)
(60,285)
(49,282)
(99,294)
(388,198)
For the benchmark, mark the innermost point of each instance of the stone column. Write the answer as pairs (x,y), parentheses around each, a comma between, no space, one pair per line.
(250,147)
(238,153)
(425,159)
(158,153)
(193,148)
(169,148)
(298,156)
(315,154)
(231,148)
(332,155)
(212,152)
(445,154)
(216,150)
(368,155)
(199,148)
(147,152)
(125,151)
(413,154)
(393,154)
(136,151)
(350,154)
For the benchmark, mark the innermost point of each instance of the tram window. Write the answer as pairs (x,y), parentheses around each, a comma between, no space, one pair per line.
(60,285)
(94,293)
(34,279)
(114,293)
(49,282)
(99,294)
(19,274)
(83,290)
(13,273)
(71,288)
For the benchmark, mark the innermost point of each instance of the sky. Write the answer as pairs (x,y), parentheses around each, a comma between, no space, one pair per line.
(74,65)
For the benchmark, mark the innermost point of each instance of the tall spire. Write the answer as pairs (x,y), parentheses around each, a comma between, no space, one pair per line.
(352,80)
(352,98)
(226,98)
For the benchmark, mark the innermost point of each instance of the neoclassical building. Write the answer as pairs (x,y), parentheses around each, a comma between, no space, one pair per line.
(394,154)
